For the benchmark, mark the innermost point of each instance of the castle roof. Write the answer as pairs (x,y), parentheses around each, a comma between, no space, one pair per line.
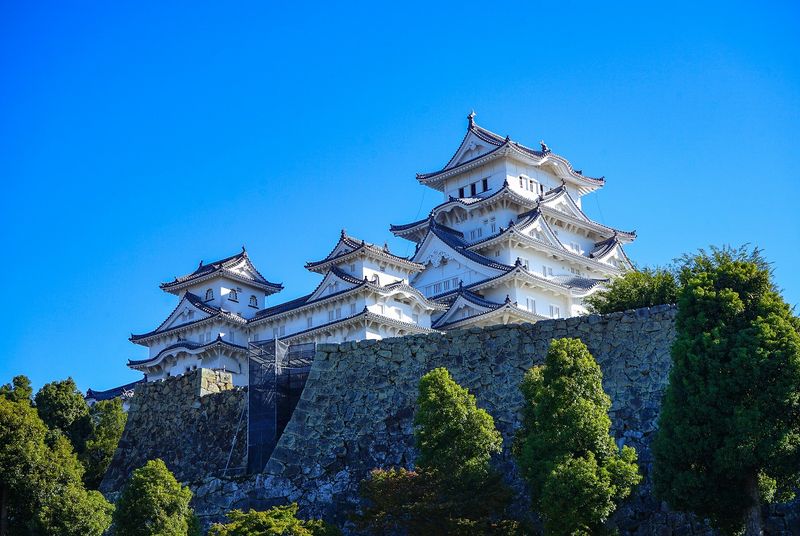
(364,316)
(500,146)
(109,394)
(236,267)
(348,247)
(213,313)
(193,347)
(484,308)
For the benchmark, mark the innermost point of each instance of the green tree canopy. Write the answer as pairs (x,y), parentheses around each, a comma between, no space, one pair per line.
(453,490)
(635,289)
(277,521)
(154,503)
(40,480)
(19,389)
(577,475)
(107,423)
(62,407)
(729,431)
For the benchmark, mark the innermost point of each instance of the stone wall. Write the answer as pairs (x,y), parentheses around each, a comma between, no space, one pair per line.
(189,421)
(356,413)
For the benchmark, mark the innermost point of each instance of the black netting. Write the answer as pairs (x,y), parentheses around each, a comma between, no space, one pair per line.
(278,373)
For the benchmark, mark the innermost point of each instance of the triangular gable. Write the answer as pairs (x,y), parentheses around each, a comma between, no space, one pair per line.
(614,256)
(471,147)
(565,204)
(536,227)
(434,250)
(185,312)
(461,309)
(331,284)
(244,268)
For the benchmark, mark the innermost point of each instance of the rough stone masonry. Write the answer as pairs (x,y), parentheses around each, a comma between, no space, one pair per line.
(357,408)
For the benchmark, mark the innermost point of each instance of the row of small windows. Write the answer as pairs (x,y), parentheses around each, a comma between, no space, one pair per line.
(233,295)
(554,310)
(531,185)
(473,188)
(441,286)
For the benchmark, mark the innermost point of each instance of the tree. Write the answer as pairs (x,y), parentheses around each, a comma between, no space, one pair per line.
(277,521)
(576,473)
(154,503)
(18,390)
(107,423)
(729,431)
(62,407)
(635,289)
(453,490)
(41,492)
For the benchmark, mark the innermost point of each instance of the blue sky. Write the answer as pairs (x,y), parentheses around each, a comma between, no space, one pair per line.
(137,139)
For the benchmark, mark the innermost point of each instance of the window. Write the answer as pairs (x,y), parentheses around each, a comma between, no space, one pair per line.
(255,337)
(253,301)
(493,225)
(472,189)
(309,321)
(353,268)
(209,294)
(526,264)
(330,315)
(541,189)
(232,336)
(547,271)
(446,284)
(521,182)
(575,247)
(461,192)
(282,330)
(274,333)
(555,311)
(455,282)
(338,313)
(530,185)
(531,303)
(399,313)
(352,308)
(415,318)
(437,288)
(380,308)
(485,184)
(233,295)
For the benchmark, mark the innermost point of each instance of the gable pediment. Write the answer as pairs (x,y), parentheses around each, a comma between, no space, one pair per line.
(184,313)
(538,229)
(331,284)
(472,147)
(435,252)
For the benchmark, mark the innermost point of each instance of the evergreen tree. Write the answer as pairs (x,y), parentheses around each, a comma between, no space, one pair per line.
(277,521)
(576,473)
(18,390)
(107,423)
(62,407)
(729,431)
(635,289)
(154,503)
(453,490)
(41,492)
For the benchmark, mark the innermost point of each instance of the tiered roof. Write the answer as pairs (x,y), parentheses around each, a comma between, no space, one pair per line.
(212,312)
(365,316)
(485,309)
(236,267)
(194,347)
(500,147)
(348,248)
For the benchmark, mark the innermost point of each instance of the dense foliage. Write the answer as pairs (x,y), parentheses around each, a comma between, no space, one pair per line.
(453,490)
(635,289)
(154,503)
(62,407)
(18,390)
(729,435)
(107,421)
(577,475)
(277,521)
(40,479)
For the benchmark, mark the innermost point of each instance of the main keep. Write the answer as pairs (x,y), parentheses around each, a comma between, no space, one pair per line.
(509,243)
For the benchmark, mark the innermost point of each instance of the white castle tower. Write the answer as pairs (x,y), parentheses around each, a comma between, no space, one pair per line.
(510,242)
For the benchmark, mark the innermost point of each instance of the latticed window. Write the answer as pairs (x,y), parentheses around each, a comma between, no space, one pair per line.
(253,301)
(233,295)
(209,294)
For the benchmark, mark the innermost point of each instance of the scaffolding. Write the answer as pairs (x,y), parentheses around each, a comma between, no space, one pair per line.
(277,374)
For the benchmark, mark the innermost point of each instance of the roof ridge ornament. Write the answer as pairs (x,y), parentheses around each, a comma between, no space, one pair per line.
(343,233)
(508,299)
(471,118)
(545,148)
(518,262)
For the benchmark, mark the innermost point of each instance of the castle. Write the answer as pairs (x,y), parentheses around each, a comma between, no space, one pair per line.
(509,244)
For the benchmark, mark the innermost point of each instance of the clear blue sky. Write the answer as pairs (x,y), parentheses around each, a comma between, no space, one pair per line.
(137,139)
